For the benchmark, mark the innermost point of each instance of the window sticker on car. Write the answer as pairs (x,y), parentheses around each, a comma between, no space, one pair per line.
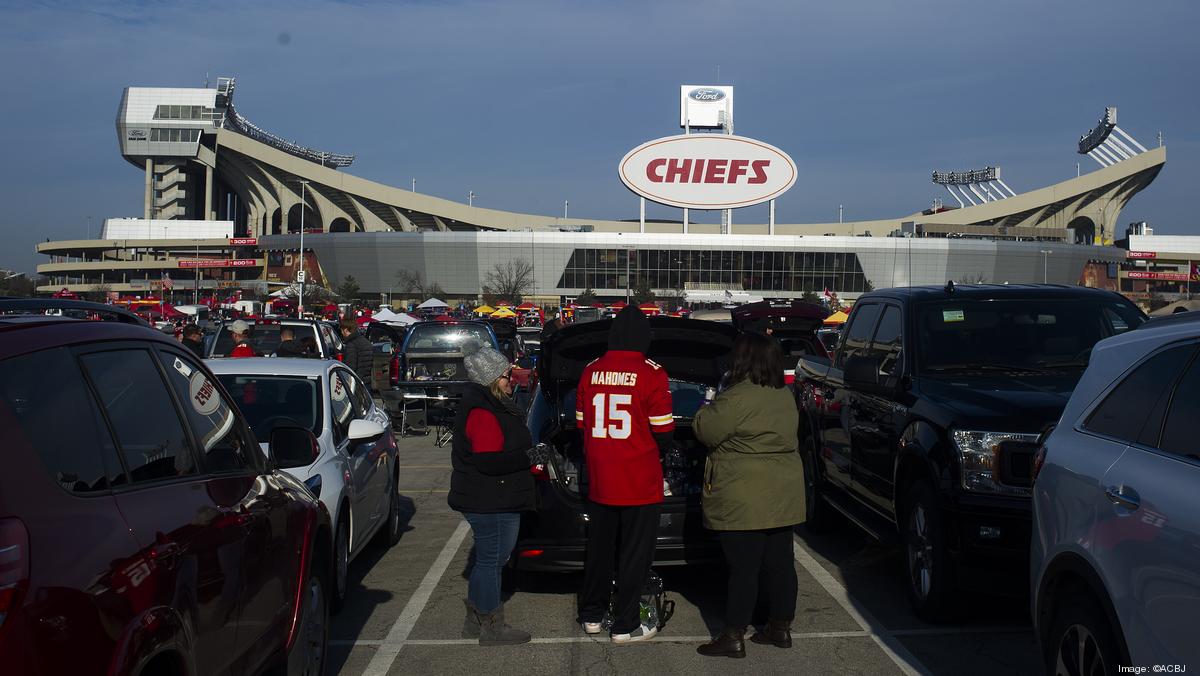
(952,316)
(202,394)
(339,391)
(183,368)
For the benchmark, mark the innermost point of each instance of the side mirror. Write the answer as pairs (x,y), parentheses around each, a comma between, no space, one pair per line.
(293,447)
(364,429)
(862,373)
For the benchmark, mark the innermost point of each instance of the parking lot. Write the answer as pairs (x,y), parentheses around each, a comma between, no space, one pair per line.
(404,613)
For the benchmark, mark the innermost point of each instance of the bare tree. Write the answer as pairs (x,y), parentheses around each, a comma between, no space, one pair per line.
(413,283)
(509,281)
(977,278)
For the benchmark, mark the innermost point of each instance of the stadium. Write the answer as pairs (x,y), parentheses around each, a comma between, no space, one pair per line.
(225,202)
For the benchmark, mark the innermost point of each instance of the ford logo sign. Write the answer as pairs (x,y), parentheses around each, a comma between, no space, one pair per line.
(706,94)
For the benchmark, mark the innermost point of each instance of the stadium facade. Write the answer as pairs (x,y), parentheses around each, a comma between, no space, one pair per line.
(203,161)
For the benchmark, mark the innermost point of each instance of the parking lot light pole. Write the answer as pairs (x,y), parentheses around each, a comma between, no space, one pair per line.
(300,297)
(1045,262)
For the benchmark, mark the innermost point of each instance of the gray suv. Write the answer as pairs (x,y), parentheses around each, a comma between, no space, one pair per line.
(1115,559)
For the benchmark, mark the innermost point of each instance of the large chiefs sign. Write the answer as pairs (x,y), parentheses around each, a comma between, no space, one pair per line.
(707,171)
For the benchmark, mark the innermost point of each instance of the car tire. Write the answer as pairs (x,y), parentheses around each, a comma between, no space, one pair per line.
(341,564)
(1080,641)
(928,571)
(310,649)
(819,516)
(393,527)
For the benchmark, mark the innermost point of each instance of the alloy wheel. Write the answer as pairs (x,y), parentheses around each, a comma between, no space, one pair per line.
(920,552)
(1079,654)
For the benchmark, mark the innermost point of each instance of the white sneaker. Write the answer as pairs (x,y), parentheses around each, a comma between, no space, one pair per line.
(642,633)
(590,627)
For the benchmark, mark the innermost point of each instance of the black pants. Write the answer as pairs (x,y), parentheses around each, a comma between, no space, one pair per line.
(635,529)
(749,552)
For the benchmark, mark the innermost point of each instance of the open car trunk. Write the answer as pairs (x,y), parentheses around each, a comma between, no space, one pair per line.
(695,354)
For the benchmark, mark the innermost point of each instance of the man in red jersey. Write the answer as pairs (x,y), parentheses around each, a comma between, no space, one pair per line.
(623,411)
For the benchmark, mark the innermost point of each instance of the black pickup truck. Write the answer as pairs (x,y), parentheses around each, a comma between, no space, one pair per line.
(924,423)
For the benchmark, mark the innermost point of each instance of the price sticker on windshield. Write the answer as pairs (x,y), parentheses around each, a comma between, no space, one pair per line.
(952,316)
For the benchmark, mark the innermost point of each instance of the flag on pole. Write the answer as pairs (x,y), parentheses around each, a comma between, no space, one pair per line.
(167,282)
(827,294)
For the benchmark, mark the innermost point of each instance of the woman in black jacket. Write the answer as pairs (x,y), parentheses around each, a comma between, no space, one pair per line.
(491,485)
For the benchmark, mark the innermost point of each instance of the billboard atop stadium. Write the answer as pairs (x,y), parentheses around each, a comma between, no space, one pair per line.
(705,106)
(707,171)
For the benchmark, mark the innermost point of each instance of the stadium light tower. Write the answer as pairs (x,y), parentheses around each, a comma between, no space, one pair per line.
(470,198)
(300,297)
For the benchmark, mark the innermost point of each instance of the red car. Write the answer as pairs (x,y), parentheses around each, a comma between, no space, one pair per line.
(142,531)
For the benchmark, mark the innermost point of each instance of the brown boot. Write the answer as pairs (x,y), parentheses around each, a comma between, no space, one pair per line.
(777,633)
(729,643)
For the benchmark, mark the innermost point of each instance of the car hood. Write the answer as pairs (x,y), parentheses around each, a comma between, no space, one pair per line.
(689,349)
(1001,403)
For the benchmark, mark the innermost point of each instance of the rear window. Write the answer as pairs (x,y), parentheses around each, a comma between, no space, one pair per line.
(264,338)
(268,402)
(435,338)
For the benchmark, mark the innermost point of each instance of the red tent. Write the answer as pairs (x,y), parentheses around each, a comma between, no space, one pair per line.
(601,306)
(525,307)
(363,321)
(503,303)
(443,318)
(69,295)
(619,305)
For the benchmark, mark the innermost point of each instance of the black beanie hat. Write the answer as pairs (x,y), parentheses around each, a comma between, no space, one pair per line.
(630,331)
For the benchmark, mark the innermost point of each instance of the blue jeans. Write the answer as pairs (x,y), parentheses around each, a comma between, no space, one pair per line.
(495,537)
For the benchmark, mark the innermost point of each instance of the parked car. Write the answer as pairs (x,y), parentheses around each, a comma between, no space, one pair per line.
(148,534)
(1116,518)
(924,423)
(512,346)
(264,336)
(793,323)
(532,336)
(355,467)
(430,365)
(695,354)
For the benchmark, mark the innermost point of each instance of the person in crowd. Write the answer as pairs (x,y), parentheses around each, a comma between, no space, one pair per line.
(241,332)
(491,485)
(288,345)
(357,351)
(193,339)
(551,327)
(623,410)
(753,491)
(308,347)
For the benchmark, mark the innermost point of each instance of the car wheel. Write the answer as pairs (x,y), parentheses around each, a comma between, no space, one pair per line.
(928,570)
(307,657)
(1081,643)
(341,564)
(818,515)
(392,528)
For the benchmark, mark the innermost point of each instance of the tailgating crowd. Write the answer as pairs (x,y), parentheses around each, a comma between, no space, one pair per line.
(624,414)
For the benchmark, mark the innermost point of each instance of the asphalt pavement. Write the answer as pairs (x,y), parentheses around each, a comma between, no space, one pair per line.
(404,612)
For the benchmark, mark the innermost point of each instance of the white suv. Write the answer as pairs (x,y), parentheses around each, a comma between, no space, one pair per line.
(1116,544)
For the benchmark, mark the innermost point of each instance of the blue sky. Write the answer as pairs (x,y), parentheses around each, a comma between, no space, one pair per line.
(529,104)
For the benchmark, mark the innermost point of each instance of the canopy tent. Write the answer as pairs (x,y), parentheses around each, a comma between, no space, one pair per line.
(619,305)
(650,309)
(432,304)
(726,297)
(836,319)
(526,307)
(443,318)
(503,303)
(386,316)
(484,310)
(503,313)
(362,321)
(599,306)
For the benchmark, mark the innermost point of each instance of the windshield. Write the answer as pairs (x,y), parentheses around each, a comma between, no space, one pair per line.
(1026,333)
(435,338)
(276,401)
(264,338)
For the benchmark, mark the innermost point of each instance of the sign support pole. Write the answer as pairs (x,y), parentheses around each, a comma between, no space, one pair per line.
(771,218)
(687,130)
(642,217)
(685,220)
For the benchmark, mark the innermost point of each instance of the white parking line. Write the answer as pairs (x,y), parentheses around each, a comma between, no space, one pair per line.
(390,647)
(887,642)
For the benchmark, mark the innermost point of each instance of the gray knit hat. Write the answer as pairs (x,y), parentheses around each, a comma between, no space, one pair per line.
(485,366)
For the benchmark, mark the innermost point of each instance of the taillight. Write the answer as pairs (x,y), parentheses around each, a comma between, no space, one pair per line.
(340,357)
(14,565)
(1039,459)
(530,553)
(394,369)
(540,473)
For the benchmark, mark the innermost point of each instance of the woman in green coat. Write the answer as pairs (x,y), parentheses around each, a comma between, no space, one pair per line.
(753,491)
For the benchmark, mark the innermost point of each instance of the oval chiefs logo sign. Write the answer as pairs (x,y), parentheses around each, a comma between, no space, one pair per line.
(707,171)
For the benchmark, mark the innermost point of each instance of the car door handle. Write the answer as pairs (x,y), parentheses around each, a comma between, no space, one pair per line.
(1123,497)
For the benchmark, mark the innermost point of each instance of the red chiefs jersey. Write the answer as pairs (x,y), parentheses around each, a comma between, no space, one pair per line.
(622,400)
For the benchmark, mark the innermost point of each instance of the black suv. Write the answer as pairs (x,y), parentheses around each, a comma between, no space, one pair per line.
(925,422)
(695,354)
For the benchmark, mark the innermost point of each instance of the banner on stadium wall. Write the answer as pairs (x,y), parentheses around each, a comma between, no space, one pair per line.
(282,267)
(219,263)
(1159,276)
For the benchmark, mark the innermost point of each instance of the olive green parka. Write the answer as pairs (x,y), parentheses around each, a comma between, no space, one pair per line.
(753,477)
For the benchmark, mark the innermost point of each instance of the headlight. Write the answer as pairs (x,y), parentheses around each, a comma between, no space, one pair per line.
(980,453)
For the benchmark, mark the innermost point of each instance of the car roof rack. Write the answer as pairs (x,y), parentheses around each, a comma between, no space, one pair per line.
(40,305)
